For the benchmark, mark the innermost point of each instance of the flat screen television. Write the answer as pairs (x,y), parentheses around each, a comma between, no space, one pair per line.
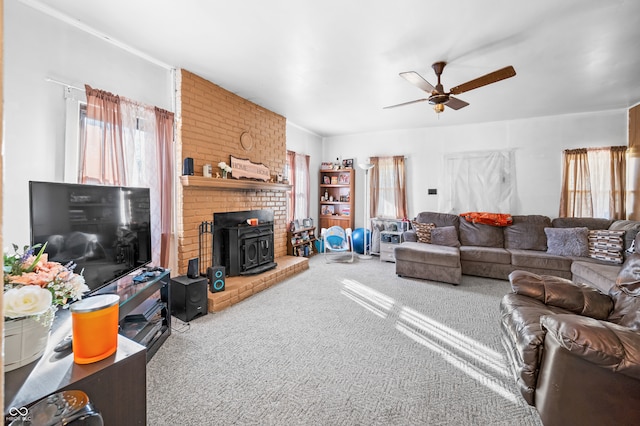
(105,230)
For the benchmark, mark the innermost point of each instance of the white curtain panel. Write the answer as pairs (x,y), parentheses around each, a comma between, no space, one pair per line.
(481,181)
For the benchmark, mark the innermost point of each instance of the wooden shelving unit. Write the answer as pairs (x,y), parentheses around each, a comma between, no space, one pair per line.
(301,242)
(337,198)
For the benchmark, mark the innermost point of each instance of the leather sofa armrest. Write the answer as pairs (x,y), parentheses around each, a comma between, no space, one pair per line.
(602,343)
(410,235)
(581,299)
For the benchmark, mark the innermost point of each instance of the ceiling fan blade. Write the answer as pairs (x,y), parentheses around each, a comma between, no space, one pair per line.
(455,103)
(418,81)
(492,77)
(405,103)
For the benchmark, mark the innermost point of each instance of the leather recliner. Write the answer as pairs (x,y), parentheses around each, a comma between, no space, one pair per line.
(575,351)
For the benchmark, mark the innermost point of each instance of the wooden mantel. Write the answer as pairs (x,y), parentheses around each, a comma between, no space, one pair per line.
(232,184)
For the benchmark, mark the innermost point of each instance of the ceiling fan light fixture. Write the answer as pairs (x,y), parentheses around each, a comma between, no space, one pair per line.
(438,99)
(438,108)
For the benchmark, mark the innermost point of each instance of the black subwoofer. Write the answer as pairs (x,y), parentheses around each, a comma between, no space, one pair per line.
(188,297)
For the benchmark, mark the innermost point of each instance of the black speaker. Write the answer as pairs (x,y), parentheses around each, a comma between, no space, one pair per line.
(187,167)
(216,278)
(188,297)
(192,269)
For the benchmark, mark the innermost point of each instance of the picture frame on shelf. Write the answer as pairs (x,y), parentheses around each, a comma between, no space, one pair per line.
(307,223)
(296,225)
(327,210)
(334,180)
(344,179)
(326,180)
(326,165)
(347,163)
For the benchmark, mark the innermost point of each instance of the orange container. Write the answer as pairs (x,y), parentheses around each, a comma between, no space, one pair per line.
(95,328)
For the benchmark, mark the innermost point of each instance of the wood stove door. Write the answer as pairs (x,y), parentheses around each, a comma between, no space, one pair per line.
(250,253)
(266,249)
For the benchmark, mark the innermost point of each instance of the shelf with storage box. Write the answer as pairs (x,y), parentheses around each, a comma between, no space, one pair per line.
(300,242)
(386,235)
(337,198)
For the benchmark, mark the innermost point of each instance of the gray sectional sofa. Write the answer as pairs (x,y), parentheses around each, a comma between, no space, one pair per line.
(495,252)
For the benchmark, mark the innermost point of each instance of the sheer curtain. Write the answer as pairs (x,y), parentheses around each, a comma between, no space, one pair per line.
(388,187)
(133,148)
(139,142)
(594,183)
(482,181)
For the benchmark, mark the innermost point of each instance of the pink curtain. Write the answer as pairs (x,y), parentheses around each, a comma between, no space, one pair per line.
(292,181)
(102,153)
(164,138)
(388,187)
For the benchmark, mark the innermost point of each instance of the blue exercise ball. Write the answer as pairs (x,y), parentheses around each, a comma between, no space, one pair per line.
(358,240)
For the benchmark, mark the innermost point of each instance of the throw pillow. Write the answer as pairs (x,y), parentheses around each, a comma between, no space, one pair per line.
(568,241)
(445,236)
(606,245)
(423,231)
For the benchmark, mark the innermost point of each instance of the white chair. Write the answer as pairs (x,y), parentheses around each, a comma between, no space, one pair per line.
(337,244)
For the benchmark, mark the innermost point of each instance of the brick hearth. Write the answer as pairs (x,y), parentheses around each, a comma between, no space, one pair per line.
(239,288)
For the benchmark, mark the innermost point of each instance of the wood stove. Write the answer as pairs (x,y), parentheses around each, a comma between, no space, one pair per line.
(242,248)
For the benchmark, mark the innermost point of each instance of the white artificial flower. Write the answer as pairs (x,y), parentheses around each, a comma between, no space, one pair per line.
(222,165)
(26,301)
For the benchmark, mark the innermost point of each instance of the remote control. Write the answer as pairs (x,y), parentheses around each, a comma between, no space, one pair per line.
(64,345)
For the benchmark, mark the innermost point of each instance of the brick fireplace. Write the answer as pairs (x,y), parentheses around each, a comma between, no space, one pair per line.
(211,121)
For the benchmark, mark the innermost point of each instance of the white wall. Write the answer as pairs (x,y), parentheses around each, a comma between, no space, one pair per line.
(537,143)
(304,142)
(37,46)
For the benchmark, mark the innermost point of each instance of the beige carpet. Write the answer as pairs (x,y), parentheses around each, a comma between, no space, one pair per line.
(342,344)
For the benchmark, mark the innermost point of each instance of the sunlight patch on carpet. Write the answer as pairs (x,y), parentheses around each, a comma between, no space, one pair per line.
(476,360)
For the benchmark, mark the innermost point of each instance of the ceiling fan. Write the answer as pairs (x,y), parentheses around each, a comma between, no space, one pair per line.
(439,98)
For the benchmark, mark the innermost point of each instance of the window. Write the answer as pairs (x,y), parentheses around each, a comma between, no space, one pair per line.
(298,175)
(388,187)
(594,183)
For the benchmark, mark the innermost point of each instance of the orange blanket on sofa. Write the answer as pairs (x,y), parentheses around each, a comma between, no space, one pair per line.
(494,219)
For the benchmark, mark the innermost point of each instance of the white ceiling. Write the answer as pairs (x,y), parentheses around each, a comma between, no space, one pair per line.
(330,66)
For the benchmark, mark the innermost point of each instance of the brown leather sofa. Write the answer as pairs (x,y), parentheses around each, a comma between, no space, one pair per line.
(575,351)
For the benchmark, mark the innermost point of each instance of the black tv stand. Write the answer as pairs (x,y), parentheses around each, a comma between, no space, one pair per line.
(145,308)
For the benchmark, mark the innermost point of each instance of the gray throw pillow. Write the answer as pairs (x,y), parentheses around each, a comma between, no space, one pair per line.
(445,236)
(568,241)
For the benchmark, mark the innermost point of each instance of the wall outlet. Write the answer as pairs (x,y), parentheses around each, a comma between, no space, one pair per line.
(432,191)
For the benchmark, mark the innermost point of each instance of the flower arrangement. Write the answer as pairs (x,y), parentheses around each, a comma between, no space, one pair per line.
(225,168)
(34,286)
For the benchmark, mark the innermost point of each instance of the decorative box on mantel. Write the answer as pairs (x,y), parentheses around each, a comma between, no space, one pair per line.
(232,184)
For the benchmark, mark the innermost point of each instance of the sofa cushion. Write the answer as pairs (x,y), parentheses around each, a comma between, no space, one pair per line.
(485,254)
(581,222)
(568,241)
(445,236)
(597,274)
(540,260)
(423,231)
(439,219)
(606,245)
(428,254)
(478,234)
(630,228)
(527,233)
